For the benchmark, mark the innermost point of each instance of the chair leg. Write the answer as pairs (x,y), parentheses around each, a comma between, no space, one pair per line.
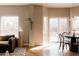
(60,45)
(62,49)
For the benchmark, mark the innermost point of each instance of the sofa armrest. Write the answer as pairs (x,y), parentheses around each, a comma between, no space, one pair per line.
(12,43)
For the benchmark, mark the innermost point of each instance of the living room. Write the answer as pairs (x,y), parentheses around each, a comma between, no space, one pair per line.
(28,27)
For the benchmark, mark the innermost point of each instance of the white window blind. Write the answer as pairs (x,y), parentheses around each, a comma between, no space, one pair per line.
(9,25)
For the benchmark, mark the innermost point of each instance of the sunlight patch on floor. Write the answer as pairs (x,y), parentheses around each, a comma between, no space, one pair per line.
(47,46)
(39,47)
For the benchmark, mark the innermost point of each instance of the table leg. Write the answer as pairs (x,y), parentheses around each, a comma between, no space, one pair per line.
(73,48)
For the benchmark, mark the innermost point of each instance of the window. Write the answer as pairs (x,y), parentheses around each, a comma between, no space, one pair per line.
(9,25)
(75,24)
(63,25)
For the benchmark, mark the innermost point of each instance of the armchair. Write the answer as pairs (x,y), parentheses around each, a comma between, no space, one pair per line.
(7,42)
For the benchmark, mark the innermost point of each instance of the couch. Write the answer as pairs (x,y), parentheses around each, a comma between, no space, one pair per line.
(8,42)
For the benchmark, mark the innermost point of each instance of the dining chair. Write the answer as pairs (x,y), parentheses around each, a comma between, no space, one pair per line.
(66,41)
(63,41)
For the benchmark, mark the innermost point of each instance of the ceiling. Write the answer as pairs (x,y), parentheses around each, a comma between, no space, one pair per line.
(14,4)
(50,5)
(60,5)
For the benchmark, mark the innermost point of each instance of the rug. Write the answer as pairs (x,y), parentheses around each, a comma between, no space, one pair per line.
(17,52)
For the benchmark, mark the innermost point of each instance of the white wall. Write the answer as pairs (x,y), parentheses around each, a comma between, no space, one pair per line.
(36,34)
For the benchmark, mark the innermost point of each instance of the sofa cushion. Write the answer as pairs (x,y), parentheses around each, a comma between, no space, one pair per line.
(5,38)
(4,42)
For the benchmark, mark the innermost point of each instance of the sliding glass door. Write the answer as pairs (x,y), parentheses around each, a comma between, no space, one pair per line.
(56,26)
(53,29)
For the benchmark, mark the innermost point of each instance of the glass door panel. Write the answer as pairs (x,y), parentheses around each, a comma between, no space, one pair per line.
(53,29)
(56,26)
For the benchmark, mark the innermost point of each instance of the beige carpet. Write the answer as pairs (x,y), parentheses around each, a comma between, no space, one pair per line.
(17,52)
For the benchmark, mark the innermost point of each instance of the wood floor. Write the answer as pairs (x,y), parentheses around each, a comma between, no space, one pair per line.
(50,50)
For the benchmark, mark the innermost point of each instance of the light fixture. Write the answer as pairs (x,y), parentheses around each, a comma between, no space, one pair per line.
(31,22)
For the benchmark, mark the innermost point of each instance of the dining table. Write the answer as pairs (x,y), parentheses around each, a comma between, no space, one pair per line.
(73,39)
